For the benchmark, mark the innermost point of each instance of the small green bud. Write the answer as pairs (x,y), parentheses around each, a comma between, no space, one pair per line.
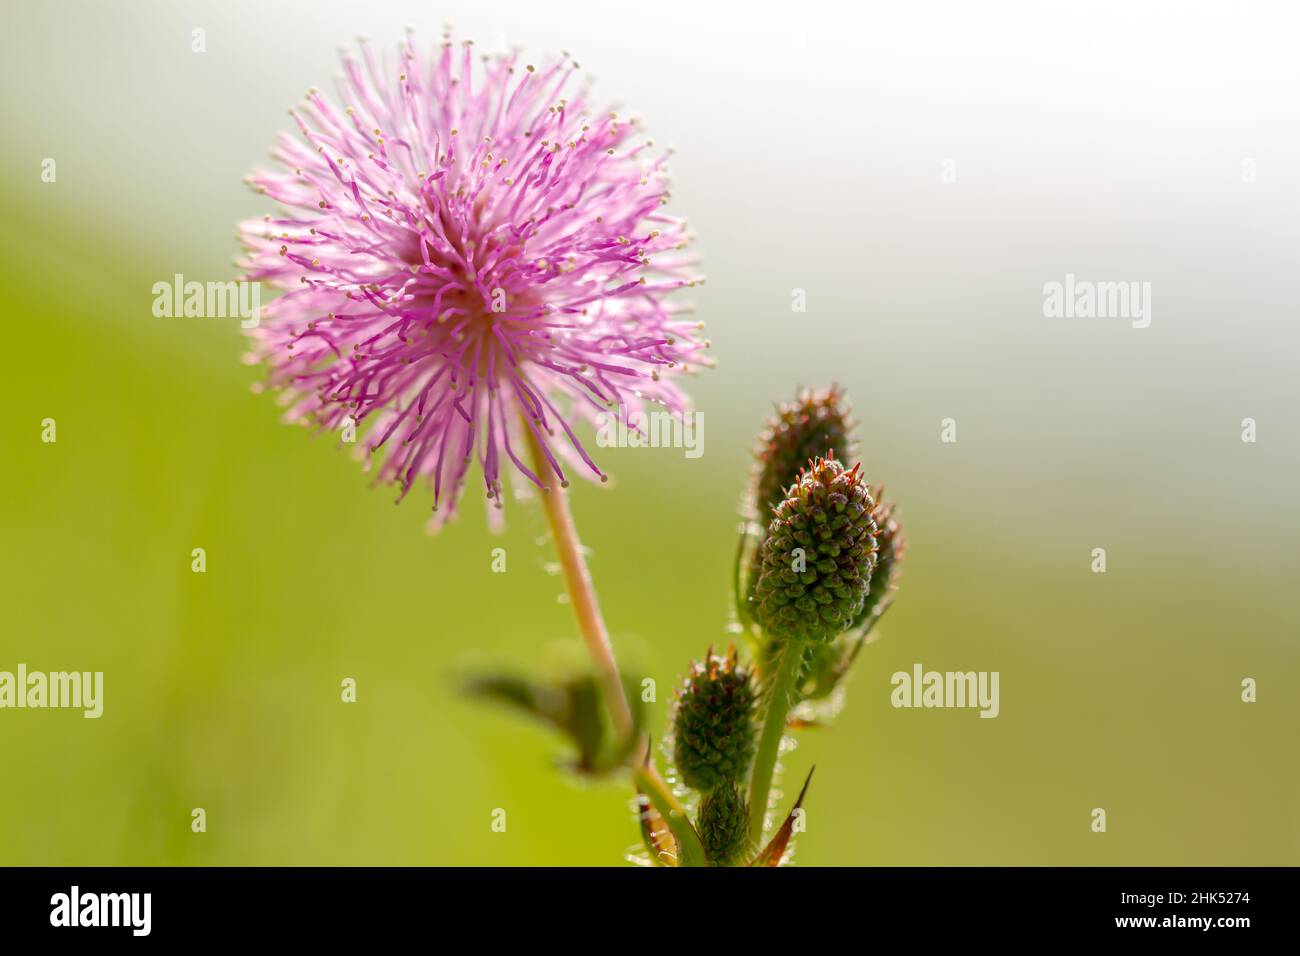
(723,825)
(827,664)
(713,726)
(814,425)
(824,667)
(817,559)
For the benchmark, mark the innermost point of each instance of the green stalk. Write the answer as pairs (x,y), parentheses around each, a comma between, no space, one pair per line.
(780,697)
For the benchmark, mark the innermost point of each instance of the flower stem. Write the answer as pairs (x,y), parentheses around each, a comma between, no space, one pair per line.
(582,593)
(779,699)
(591,623)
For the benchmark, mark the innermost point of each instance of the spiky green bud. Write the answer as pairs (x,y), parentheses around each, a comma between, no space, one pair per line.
(818,556)
(713,726)
(813,425)
(723,825)
(827,664)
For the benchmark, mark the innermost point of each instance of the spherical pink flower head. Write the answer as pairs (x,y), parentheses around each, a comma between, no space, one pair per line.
(465,253)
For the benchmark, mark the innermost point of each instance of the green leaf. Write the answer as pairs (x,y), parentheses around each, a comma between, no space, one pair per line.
(655,832)
(740,585)
(575,708)
(670,810)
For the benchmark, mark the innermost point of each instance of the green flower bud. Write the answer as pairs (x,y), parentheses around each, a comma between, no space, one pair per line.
(827,664)
(817,559)
(723,825)
(814,425)
(713,726)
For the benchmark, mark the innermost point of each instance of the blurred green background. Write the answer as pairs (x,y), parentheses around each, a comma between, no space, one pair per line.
(810,156)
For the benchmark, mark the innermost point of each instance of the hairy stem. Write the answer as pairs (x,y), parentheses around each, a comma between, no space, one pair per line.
(780,697)
(582,593)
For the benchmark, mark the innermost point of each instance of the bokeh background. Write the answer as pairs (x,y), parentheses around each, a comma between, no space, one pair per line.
(1112,141)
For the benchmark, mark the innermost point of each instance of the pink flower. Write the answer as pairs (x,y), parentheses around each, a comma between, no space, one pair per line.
(465,253)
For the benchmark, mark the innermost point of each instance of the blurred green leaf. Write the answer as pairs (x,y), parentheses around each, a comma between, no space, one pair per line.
(575,707)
